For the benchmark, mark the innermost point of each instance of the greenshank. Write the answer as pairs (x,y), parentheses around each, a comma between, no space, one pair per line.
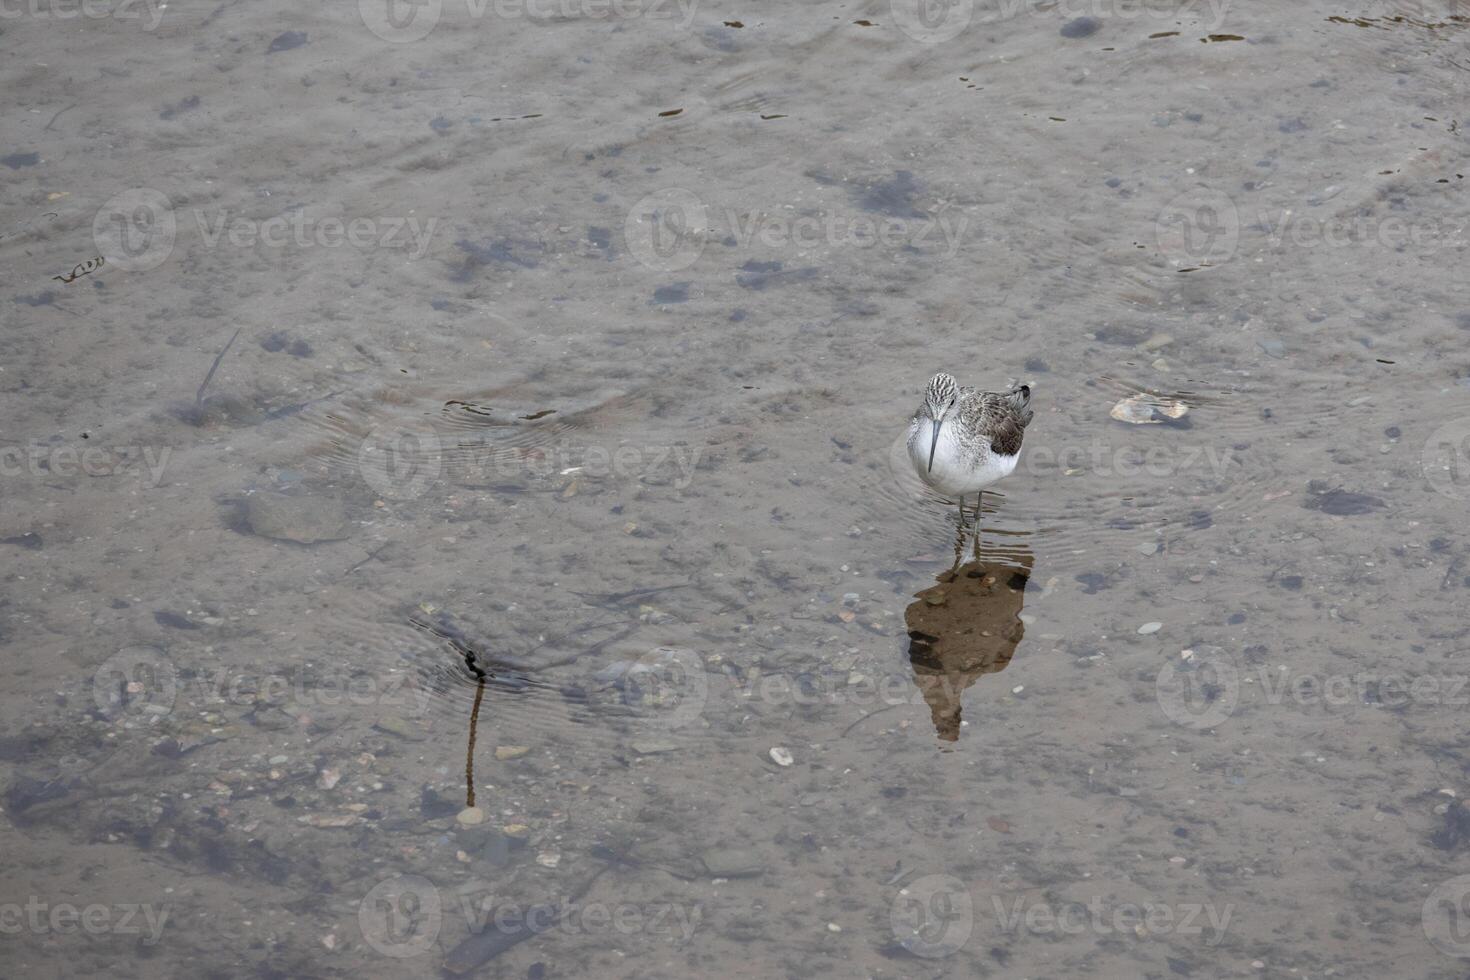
(962,440)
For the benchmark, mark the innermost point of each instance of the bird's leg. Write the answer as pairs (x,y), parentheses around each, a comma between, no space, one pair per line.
(959,539)
(979,506)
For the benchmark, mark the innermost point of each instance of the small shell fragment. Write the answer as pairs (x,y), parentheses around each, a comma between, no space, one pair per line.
(781,756)
(1145,409)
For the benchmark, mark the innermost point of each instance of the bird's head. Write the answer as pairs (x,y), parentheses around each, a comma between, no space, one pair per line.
(940,396)
(939,401)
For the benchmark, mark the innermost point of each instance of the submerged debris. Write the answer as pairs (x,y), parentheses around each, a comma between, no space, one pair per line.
(1339,502)
(1145,409)
(302,519)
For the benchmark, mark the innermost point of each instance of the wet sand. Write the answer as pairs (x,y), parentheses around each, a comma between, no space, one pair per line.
(616,391)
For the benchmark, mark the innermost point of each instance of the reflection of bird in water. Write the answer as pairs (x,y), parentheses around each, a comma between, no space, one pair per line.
(965,626)
(961,440)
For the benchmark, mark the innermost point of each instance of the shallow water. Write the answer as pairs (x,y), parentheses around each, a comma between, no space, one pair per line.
(557,466)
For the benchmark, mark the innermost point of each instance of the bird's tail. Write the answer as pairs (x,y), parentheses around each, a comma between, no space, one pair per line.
(1019,398)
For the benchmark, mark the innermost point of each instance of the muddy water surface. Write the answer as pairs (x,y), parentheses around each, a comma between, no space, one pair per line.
(536,585)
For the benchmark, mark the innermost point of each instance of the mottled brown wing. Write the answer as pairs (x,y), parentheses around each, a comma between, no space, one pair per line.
(1002,417)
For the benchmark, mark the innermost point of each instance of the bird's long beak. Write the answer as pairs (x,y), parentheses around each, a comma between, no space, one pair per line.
(934,443)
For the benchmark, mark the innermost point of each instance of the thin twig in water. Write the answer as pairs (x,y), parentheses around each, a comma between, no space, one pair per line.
(199,398)
(58,116)
(870,714)
(616,598)
(469,755)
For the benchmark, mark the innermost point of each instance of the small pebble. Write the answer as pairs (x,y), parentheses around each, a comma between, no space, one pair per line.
(781,756)
(507,752)
(1148,628)
(548,859)
(471,816)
